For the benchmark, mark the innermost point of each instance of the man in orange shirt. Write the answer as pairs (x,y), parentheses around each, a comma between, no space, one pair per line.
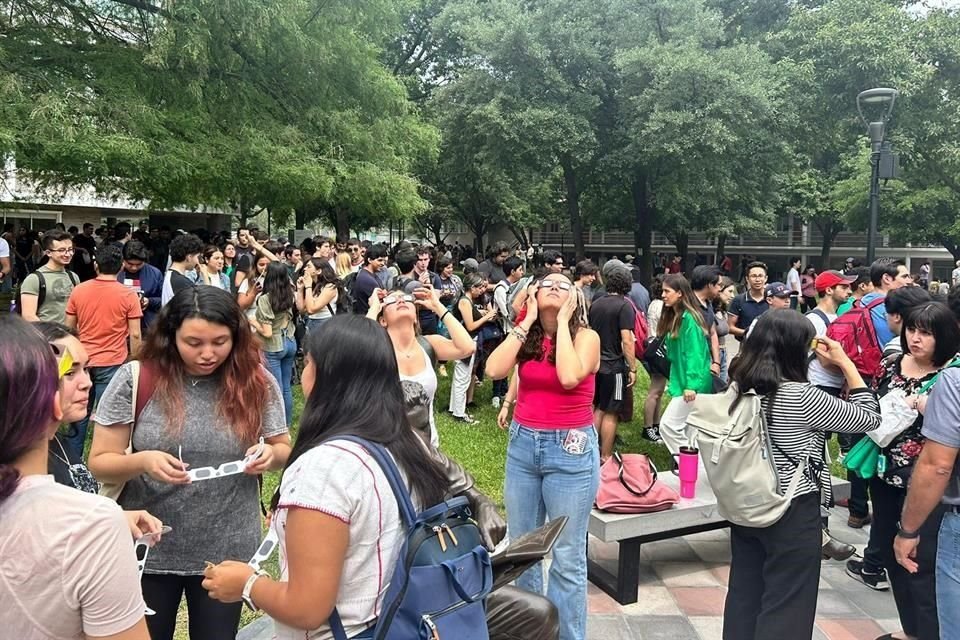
(105,313)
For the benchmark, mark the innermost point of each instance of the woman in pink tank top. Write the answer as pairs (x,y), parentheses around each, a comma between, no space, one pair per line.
(553,459)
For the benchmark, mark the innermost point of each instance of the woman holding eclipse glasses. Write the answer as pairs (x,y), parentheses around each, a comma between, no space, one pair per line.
(214,421)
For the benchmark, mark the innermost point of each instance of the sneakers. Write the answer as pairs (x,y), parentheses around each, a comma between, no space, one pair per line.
(876,581)
(466,418)
(652,433)
(495,402)
(858,522)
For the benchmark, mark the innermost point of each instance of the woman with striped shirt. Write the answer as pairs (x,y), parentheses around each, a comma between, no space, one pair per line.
(775,570)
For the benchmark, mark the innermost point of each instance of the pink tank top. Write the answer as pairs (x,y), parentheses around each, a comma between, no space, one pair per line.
(543,403)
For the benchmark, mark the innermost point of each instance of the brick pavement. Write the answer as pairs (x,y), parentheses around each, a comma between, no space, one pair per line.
(683,586)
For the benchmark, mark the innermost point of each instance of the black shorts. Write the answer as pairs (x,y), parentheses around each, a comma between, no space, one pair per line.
(612,393)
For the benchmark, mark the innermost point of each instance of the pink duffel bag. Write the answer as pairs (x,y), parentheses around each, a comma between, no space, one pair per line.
(628,484)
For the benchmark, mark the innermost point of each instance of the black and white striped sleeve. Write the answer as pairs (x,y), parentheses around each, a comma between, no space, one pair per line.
(858,414)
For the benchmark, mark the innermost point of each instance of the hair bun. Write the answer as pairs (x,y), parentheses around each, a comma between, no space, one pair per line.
(9,477)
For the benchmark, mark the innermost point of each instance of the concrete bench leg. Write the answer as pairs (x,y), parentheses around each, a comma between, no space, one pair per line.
(623,586)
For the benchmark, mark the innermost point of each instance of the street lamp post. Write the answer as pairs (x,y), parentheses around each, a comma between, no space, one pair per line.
(879,102)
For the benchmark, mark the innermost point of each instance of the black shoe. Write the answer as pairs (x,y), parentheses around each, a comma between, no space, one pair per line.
(876,581)
(618,441)
(652,434)
(836,550)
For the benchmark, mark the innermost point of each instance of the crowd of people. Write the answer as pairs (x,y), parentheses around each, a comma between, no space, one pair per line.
(183,351)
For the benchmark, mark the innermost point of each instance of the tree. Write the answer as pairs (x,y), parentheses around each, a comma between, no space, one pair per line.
(280,105)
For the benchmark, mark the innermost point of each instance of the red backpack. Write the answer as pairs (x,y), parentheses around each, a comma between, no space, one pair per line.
(855,332)
(640,330)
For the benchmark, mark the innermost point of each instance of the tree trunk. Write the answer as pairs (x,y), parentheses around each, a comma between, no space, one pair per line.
(952,247)
(300,218)
(721,247)
(682,242)
(573,206)
(829,231)
(643,218)
(342,225)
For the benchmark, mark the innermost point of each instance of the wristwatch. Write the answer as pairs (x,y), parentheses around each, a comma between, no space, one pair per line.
(906,535)
(245,596)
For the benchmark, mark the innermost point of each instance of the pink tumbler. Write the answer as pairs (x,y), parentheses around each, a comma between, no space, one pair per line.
(687,466)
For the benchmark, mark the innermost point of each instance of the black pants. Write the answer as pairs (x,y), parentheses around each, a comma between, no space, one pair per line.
(774,576)
(209,619)
(914,593)
(858,486)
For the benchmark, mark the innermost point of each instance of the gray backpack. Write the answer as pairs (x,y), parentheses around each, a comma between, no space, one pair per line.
(731,433)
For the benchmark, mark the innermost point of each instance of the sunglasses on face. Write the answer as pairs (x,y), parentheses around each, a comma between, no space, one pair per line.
(563,285)
(393,299)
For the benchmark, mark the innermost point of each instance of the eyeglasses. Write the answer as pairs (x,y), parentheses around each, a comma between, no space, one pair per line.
(226,469)
(267,546)
(354,249)
(64,252)
(563,285)
(395,298)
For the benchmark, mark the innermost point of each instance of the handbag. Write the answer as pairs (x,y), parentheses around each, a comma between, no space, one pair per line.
(655,355)
(896,417)
(862,458)
(628,484)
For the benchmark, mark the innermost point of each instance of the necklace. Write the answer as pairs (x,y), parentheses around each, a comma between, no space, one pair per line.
(64,459)
(194,381)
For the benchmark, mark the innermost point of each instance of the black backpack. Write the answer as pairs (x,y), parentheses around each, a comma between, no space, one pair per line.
(348,301)
(41,289)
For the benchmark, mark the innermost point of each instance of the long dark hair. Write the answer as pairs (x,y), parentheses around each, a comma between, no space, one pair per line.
(28,385)
(363,397)
(277,288)
(936,319)
(532,348)
(243,393)
(775,352)
(671,318)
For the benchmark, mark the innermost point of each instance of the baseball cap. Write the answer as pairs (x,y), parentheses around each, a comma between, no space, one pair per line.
(850,260)
(629,257)
(610,265)
(831,279)
(776,290)
(470,263)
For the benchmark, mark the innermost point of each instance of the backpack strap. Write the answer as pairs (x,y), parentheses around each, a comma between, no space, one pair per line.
(820,314)
(73,277)
(389,468)
(144,388)
(425,344)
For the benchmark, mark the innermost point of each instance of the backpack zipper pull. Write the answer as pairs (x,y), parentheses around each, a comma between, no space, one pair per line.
(450,533)
(427,620)
(443,543)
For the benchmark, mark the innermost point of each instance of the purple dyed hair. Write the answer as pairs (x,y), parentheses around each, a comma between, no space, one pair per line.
(28,385)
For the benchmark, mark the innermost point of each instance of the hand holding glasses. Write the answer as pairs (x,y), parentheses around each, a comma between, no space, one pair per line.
(141,547)
(225,469)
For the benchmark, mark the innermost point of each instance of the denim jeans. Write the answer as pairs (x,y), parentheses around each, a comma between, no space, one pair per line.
(544,481)
(948,576)
(280,364)
(100,377)
(314,323)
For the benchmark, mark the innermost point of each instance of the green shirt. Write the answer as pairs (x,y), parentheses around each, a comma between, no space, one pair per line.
(689,356)
(846,306)
(282,324)
(59,286)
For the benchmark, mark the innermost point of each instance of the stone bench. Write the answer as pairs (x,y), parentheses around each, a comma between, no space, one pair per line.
(689,516)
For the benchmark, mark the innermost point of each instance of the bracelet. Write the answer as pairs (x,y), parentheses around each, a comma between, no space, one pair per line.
(509,402)
(519,334)
(906,535)
(444,315)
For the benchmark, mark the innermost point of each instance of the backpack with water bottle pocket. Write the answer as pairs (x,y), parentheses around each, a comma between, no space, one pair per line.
(443,572)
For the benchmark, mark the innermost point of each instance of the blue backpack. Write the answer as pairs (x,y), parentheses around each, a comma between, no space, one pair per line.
(443,572)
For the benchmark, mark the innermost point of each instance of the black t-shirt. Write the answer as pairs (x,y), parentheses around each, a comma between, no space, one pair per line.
(178,282)
(709,315)
(363,288)
(747,310)
(610,315)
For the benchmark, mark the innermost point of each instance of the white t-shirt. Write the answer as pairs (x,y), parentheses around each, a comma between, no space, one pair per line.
(956,276)
(817,373)
(67,565)
(4,248)
(342,480)
(793,281)
(427,378)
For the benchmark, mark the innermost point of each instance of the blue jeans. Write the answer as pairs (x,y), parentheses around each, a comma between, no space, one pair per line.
(545,481)
(280,364)
(314,323)
(100,377)
(948,576)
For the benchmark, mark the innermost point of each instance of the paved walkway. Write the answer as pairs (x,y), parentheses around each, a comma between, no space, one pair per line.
(683,586)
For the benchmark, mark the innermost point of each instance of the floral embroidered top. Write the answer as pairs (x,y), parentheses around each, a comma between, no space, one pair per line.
(903,451)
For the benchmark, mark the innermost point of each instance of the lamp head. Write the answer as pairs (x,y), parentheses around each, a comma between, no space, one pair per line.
(879,101)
